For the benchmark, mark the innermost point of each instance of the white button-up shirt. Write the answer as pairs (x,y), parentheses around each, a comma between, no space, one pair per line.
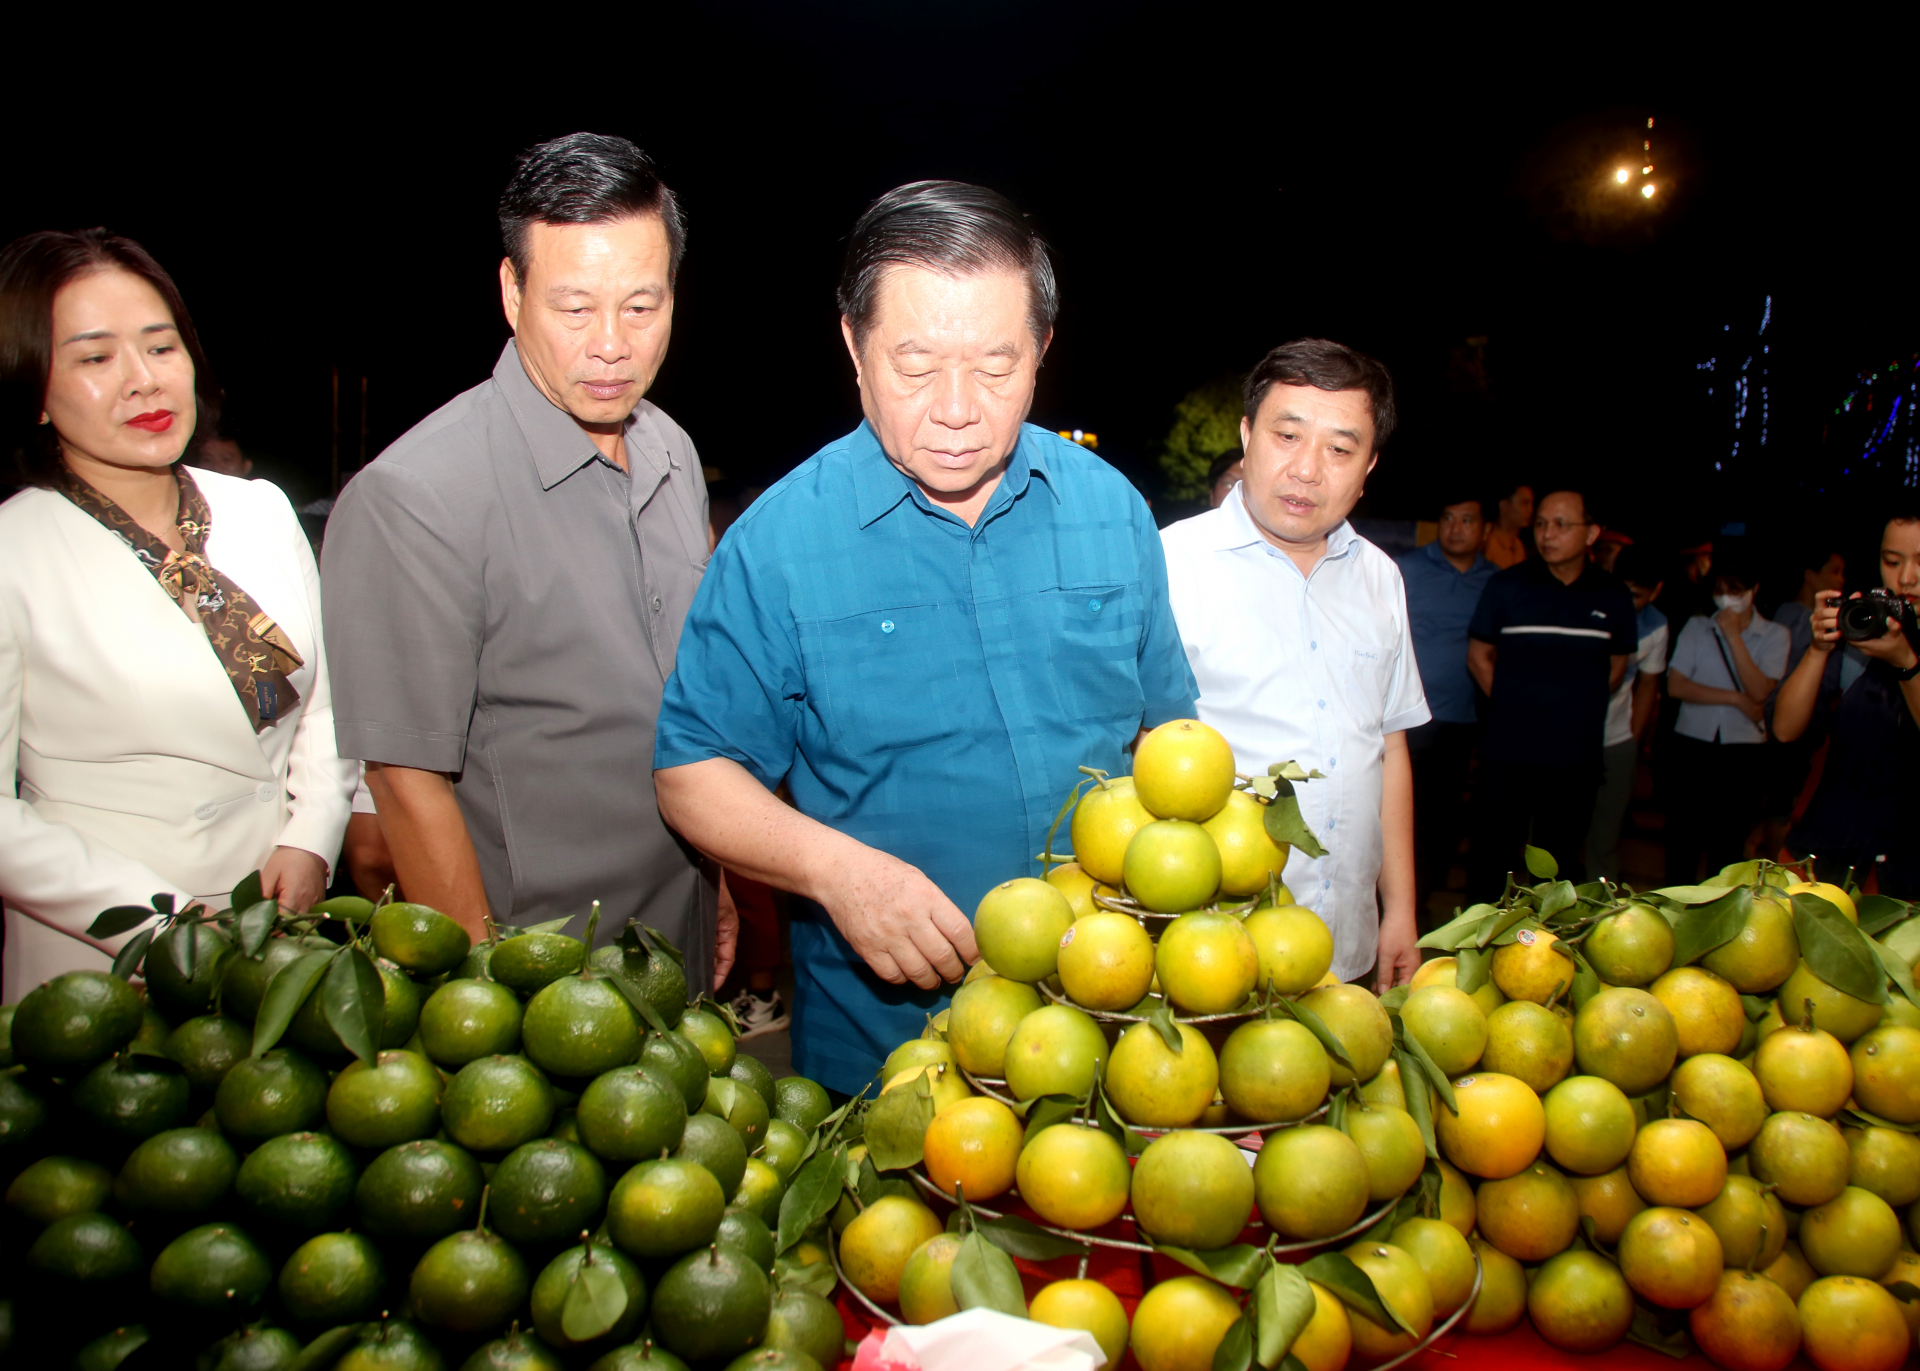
(1315,669)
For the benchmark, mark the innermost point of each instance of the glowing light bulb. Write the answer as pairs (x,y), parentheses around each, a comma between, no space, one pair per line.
(1647,190)
(1623,176)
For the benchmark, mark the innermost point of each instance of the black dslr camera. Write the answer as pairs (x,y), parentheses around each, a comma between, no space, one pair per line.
(1874,615)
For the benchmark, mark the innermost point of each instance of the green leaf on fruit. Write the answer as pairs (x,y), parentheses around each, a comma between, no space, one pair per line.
(1473,968)
(354,1003)
(1239,1265)
(1540,863)
(1463,929)
(1283,1305)
(286,992)
(1286,825)
(1898,971)
(255,926)
(1162,1020)
(1836,951)
(1419,1102)
(1317,1026)
(127,961)
(1026,1239)
(596,1298)
(1702,928)
(896,1130)
(1586,981)
(811,1196)
(1235,1352)
(248,893)
(1046,1110)
(1878,913)
(1354,1287)
(984,1277)
(1435,1076)
(111,923)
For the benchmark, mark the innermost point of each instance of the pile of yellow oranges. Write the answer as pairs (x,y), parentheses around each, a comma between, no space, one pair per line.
(1725,1151)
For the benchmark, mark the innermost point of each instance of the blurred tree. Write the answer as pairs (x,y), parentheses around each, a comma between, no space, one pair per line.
(1206,423)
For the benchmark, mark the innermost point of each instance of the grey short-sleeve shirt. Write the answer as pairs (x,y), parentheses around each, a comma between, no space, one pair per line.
(503,604)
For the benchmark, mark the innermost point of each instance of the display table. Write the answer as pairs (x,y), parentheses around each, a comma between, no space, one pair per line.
(1522,1349)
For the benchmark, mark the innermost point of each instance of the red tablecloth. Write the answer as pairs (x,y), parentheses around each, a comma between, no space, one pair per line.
(1520,1350)
(1125,1274)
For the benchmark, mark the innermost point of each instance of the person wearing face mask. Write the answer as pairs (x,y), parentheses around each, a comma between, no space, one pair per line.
(1721,670)
(166,721)
(1865,816)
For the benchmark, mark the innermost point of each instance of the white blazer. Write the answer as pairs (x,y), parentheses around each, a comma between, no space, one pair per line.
(138,769)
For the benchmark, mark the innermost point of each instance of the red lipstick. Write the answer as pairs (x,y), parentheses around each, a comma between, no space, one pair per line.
(154,421)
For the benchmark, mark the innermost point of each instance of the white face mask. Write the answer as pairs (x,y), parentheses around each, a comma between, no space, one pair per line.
(1737,603)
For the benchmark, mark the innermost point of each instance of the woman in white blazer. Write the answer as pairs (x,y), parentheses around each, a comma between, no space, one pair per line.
(164,710)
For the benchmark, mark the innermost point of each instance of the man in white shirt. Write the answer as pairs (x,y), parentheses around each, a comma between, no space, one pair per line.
(1296,628)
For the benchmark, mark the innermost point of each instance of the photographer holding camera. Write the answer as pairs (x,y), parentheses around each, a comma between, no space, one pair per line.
(1866,813)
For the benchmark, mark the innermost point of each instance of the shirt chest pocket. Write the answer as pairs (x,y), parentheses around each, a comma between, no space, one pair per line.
(1092,636)
(895,678)
(1369,672)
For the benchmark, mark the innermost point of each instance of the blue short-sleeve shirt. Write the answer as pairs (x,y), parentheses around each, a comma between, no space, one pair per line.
(927,688)
(1440,605)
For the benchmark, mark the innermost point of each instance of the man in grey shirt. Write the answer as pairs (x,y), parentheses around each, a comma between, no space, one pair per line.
(505,585)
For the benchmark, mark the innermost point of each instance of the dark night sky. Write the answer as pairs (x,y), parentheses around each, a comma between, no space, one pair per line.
(1212,186)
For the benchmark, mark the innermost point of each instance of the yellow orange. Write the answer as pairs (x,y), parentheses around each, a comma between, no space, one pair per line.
(1498,1129)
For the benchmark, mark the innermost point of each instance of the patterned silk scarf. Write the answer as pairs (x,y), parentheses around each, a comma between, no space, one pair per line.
(256,652)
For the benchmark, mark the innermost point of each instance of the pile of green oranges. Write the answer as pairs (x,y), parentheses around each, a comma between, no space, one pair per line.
(1722,1154)
(529,1172)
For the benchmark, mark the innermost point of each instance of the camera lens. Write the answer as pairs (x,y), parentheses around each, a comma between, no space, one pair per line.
(1863,620)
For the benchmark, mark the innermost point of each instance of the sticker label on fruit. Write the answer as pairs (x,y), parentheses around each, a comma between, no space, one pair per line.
(1066,938)
(1525,937)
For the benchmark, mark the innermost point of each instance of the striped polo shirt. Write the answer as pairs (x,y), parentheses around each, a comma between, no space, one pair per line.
(1555,642)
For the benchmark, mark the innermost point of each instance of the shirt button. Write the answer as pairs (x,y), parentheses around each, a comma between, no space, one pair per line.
(656,604)
(264,791)
(206,811)
(1321,703)
(1094,605)
(886,625)
(1313,647)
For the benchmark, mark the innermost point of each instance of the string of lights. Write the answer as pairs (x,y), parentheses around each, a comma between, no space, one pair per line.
(1745,384)
(1863,404)
(1623,176)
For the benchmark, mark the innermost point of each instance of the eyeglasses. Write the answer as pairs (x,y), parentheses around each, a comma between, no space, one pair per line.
(1558,525)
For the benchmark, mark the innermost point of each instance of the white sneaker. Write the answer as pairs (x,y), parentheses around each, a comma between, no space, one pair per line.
(759,1014)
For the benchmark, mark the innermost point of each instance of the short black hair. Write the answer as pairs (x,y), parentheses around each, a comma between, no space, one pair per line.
(950,227)
(586,178)
(1218,466)
(1737,562)
(1541,494)
(1815,553)
(1637,566)
(33,269)
(1325,365)
(1456,494)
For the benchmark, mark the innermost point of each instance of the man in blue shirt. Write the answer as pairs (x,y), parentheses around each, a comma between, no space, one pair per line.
(1444,580)
(924,629)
